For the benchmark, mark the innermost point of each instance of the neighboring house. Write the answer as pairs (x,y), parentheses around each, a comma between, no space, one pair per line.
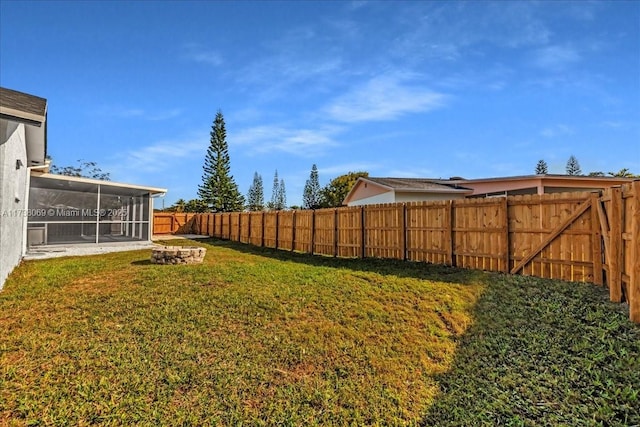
(23,145)
(370,190)
(39,208)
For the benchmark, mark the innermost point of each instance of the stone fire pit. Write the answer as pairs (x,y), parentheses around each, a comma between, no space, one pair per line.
(177,255)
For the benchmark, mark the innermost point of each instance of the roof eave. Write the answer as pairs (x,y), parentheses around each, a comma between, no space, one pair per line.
(152,190)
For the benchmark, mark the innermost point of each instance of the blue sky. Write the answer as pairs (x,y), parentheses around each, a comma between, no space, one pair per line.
(404,89)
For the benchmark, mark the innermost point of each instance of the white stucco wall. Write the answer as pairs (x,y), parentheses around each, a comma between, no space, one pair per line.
(13,200)
(379,198)
(423,197)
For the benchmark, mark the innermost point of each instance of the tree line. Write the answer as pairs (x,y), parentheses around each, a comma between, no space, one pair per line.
(219,192)
(572,168)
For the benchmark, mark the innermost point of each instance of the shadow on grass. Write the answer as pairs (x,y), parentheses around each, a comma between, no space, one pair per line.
(543,352)
(399,268)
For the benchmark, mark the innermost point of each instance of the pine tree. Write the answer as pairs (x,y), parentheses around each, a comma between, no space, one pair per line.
(573,167)
(311,193)
(541,168)
(219,190)
(273,204)
(255,197)
(282,196)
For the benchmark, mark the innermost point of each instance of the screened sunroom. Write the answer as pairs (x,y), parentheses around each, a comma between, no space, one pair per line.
(71,210)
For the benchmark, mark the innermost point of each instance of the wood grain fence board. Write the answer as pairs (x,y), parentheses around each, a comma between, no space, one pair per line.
(324,232)
(427,232)
(271,229)
(549,239)
(303,231)
(596,240)
(256,228)
(615,216)
(162,223)
(349,232)
(479,231)
(234,226)
(285,230)
(627,240)
(633,210)
(244,227)
(383,231)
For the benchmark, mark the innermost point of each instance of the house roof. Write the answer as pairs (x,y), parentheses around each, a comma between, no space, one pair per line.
(22,107)
(417,184)
(541,177)
(56,181)
(473,187)
(408,185)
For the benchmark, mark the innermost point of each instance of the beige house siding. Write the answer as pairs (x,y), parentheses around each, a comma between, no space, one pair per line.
(387,197)
(542,184)
(430,197)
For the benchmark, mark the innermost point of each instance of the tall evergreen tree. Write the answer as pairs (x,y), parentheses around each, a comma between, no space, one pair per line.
(275,193)
(541,168)
(282,196)
(311,193)
(255,197)
(573,167)
(219,190)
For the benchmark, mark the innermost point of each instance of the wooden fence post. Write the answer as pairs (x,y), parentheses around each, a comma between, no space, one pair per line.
(615,236)
(313,231)
(277,228)
(293,231)
(450,233)
(262,236)
(362,233)
(596,240)
(335,232)
(634,274)
(404,233)
(248,228)
(506,237)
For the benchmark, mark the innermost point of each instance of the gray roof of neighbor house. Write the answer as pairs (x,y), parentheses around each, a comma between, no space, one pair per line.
(22,106)
(416,184)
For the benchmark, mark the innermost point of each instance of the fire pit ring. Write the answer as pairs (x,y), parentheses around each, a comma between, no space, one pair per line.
(177,255)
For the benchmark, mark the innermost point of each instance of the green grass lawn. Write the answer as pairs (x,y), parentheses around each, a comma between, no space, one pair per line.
(265,337)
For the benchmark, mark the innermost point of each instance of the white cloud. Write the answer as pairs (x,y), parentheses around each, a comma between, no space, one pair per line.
(196,52)
(139,113)
(301,142)
(556,131)
(161,155)
(383,98)
(555,57)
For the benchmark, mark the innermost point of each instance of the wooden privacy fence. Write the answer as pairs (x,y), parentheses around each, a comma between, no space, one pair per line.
(173,223)
(584,237)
